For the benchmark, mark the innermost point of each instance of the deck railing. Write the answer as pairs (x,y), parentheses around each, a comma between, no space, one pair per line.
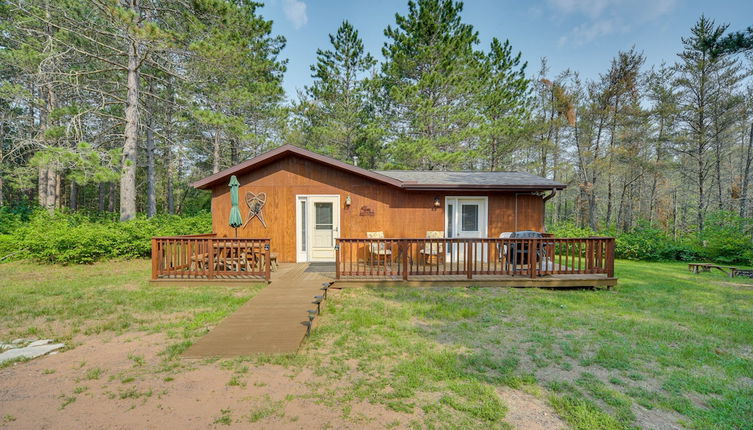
(205,256)
(403,258)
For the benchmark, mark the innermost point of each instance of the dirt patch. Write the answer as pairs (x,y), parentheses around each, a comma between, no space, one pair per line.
(656,419)
(737,285)
(528,412)
(123,382)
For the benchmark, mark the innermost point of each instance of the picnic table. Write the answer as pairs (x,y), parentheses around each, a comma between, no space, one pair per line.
(728,270)
(229,256)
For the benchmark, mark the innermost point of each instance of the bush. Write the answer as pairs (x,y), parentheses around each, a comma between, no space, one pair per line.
(569,229)
(12,218)
(81,238)
(726,238)
(645,242)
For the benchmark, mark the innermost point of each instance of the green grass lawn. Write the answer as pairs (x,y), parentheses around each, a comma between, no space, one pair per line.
(666,347)
(61,302)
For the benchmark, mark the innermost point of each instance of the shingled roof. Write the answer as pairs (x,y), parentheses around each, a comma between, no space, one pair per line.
(405,179)
(432,178)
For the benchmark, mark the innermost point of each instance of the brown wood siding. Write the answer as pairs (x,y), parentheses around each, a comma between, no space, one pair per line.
(397,212)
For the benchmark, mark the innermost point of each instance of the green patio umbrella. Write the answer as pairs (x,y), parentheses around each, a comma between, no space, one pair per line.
(236,220)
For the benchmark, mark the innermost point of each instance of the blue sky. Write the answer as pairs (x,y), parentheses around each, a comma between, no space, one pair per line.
(579,34)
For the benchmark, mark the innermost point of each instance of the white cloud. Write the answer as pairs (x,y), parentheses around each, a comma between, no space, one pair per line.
(600,18)
(592,8)
(590,31)
(295,12)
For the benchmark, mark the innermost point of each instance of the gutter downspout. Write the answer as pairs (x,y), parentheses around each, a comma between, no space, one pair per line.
(543,210)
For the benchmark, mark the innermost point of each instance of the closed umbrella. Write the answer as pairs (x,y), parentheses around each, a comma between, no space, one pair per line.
(236,220)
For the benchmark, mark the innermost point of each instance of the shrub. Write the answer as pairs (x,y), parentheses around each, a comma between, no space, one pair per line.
(643,242)
(569,229)
(726,238)
(81,238)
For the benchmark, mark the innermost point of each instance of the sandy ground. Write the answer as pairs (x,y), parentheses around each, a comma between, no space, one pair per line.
(528,412)
(56,392)
(121,383)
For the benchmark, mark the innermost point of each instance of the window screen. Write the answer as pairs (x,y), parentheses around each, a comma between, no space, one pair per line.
(323,216)
(469,217)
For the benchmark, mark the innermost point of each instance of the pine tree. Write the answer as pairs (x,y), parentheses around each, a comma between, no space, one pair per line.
(236,78)
(696,71)
(335,110)
(503,101)
(431,75)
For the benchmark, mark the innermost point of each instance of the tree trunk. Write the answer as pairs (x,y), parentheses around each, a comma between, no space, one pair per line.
(73,204)
(58,190)
(608,217)
(49,203)
(746,174)
(101,197)
(42,186)
(216,152)
(113,191)
(718,162)
(130,147)
(151,197)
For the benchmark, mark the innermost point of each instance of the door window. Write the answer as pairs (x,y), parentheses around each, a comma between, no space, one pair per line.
(323,216)
(469,218)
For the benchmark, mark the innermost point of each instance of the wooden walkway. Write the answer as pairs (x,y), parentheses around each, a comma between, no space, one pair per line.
(272,322)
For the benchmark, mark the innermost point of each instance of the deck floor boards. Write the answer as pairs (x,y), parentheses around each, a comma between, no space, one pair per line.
(272,322)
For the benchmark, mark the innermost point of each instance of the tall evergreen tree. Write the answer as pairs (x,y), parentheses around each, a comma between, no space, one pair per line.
(503,102)
(431,75)
(336,109)
(696,71)
(235,80)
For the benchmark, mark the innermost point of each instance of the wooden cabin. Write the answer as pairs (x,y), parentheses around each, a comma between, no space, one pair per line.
(302,207)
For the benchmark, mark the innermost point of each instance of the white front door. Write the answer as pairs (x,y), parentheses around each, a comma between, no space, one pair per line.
(318,224)
(466,217)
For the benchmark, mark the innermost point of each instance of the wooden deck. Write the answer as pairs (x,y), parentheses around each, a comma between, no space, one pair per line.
(551,281)
(272,322)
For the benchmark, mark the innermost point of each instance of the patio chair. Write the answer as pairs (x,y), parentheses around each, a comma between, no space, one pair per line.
(432,250)
(377,250)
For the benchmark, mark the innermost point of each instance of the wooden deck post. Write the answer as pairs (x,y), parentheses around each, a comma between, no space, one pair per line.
(610,258)
(469,258)
(533,256)
(589,255)
(267,260)
(337,258)
(404,248)
(155,258)
(210,251)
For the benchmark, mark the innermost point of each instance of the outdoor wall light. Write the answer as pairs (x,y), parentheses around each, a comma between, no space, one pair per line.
(436,202)
(347,201)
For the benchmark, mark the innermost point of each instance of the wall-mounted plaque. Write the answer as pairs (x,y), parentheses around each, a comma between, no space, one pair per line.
(255,204)
(366,211)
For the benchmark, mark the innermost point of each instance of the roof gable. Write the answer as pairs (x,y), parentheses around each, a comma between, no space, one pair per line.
(405,179)
(284,151)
